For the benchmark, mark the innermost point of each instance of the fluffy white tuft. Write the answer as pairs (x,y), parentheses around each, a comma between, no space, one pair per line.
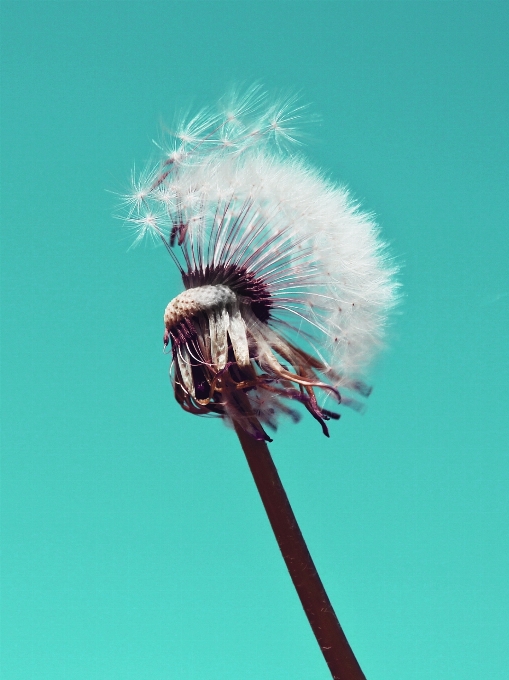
(227,193)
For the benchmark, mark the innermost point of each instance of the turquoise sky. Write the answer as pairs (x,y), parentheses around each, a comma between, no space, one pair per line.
(134,544)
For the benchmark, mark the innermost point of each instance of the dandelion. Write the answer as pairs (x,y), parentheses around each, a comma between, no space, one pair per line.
(287,288)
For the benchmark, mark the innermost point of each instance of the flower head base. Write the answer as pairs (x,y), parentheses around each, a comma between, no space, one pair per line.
(287,287)
(220,347)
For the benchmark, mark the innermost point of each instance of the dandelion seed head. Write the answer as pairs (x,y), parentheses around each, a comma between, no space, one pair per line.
(287,283)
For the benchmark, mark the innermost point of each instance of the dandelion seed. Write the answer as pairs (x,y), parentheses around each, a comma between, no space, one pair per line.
(287,284)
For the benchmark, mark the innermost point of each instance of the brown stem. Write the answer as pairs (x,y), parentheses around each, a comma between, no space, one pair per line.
(332,641)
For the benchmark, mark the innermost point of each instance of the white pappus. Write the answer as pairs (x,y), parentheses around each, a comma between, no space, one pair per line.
(287,284)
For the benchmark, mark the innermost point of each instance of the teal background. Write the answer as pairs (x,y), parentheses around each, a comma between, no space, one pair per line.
(134,544)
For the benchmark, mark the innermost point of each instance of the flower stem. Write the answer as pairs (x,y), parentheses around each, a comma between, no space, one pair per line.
(330,637)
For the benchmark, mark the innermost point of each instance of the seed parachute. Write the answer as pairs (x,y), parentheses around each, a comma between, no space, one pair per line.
(287,286)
